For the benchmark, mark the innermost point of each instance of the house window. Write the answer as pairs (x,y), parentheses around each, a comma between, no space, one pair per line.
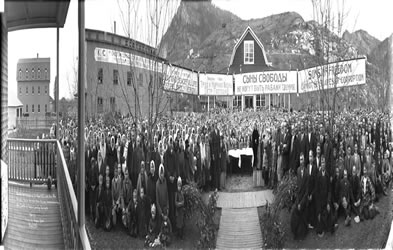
(27,90)
(261,100)
(115,76)
(129,78)
(248,52)
(237,101)
(39,108)
(100,75)
(32,108)
(27,108)
(27,74)
(20,74)
(20,90)
(46,108)
(32,73)
(112,101)
(39,73)
(46,73)
(32,90)
(46,89)
(100,106)
(39,89)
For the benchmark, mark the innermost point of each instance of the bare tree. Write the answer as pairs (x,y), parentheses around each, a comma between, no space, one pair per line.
(329,16)
(154,93)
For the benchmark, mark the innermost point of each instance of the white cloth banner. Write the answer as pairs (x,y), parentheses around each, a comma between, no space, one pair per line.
(127,59)
(181,80)
(269,82)
(236,153)
(339,74)
(215,84)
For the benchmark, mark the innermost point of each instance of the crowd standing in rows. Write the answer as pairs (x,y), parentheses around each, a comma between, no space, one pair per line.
(134,176)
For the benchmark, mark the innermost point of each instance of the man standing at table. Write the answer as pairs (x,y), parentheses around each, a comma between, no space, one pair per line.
(255,143)
(215,137)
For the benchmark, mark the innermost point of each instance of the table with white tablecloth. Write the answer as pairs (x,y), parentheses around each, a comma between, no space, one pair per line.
(237,153)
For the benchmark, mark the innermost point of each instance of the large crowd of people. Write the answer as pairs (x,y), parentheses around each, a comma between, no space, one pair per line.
(134,173)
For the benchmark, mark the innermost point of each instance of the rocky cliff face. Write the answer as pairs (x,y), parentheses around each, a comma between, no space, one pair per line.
(202,37)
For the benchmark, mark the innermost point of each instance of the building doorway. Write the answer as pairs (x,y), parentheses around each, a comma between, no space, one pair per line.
(249,102)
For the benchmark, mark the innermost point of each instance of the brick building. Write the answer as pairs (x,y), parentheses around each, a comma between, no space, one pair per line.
(33,79)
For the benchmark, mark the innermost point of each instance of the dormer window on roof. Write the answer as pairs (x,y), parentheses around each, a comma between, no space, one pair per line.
(248,52)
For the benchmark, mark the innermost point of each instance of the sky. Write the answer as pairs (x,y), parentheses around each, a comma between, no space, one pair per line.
(372,16)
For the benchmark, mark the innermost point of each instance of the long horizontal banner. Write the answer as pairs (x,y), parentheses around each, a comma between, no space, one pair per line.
(215,84)
(181,80)
(270,82)
(339,74)
(127,59)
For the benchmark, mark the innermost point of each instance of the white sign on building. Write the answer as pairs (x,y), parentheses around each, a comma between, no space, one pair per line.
(339,74)
(127,59)
(269,82)
(215,84)
(181,80)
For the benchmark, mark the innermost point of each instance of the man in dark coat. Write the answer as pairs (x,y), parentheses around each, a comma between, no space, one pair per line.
(255,142)
(298,214)
(303,142)
(323,201)
(311,175)
(346,197)
(112,157)
(286,148)
(137,158)
(294,152)
(215,150)
(171,167)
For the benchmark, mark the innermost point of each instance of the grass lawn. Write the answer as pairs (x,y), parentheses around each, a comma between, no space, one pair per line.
(366,234)
(118,239)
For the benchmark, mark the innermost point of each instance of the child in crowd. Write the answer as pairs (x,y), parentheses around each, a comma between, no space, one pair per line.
(116,195)
(143,207)
(108,205)
(133,215)
(126,198)
(166,230)
(153,228)
(99,202)
(179,202)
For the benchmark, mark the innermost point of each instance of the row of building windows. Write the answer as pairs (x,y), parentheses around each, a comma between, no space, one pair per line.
(38,108)
(130,77)
(100,104)
(260,101)
(34,74)
(33,90)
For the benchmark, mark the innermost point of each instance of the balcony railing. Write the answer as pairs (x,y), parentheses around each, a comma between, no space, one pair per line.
(73,237)
(31,160)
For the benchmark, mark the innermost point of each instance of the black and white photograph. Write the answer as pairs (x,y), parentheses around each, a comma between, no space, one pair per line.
(196,124)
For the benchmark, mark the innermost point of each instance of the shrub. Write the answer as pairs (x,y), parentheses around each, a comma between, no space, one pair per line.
(194,206)
(284,197)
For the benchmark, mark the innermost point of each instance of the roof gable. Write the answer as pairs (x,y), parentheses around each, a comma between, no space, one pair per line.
(249,30)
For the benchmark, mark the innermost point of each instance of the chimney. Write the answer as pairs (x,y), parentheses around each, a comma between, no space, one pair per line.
(114,27)
(37,55)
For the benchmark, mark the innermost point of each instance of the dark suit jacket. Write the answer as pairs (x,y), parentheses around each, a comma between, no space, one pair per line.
(285,151)
(294,153)
(323,196)
(302,193)
(311,179)
(129,157)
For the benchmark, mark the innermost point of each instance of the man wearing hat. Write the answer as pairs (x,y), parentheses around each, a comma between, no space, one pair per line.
(170,163)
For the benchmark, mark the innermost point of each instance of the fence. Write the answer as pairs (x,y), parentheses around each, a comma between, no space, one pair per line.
(74,238)
(35,122)
(31,160)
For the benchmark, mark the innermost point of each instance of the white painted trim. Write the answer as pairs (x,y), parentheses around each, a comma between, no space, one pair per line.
(248,29)
(248,42)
